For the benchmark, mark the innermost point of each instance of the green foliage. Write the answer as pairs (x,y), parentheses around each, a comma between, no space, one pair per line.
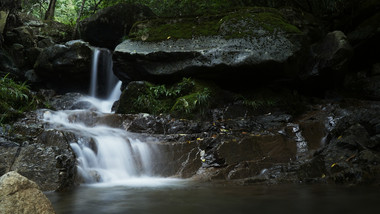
(184,99)
(15,99)
(194,102)
(67,10)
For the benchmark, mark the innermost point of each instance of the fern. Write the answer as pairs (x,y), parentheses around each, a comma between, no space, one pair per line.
(15,98)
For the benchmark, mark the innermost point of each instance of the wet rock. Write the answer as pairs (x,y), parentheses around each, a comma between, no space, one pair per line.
(20,195)
(68,101)
(350,154)
(180,159)
(259,54)
(146,123)
(117,19)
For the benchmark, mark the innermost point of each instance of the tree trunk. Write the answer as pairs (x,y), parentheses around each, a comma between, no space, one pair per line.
(78,19)
(49,15)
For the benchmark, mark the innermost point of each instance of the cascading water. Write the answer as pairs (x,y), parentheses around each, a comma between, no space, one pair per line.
(104,154)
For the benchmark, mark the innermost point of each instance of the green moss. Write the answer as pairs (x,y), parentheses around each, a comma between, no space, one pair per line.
(163,29)
(237,24)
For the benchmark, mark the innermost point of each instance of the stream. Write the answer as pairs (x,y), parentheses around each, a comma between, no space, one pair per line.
(183,196)
(117,177)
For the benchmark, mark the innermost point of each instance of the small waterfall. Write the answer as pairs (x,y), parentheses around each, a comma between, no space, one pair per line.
(103,80)
(94,72)
(104,154)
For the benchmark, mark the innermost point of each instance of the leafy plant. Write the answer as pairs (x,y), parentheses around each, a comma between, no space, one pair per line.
(15,99)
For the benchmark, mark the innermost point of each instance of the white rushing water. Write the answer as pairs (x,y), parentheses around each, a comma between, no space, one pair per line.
(106,155)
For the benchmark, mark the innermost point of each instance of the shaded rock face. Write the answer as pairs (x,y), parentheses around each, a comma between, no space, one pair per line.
(41,155)
(20,195)
(107,27)
(365,41)
(7,65)
(65,67)
(234,49)
(328,61)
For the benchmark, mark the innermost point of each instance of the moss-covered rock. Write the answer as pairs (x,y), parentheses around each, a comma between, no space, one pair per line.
(242,23)
(252,44)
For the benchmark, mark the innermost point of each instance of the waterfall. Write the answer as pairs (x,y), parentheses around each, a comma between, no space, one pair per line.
(104,154)
(94,72)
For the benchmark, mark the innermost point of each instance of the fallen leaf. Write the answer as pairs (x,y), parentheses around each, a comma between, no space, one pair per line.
(168,37)
(351,157)
(340,137)
(333,165)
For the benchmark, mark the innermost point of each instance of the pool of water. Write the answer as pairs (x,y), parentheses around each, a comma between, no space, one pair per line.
(169,196)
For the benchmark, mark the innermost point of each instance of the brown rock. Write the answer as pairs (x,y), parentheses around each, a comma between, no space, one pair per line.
(20,195)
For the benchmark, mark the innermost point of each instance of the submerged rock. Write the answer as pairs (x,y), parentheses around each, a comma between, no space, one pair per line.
(249,46)
(20,195)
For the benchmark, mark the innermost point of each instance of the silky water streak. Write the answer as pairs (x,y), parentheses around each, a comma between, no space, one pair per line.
(104,154)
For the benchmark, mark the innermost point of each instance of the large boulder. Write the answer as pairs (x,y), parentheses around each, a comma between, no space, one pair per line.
(20,195)
(250,45)
(108,26)
(65,67)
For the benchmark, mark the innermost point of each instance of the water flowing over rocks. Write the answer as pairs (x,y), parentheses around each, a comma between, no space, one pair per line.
(67,68)
(117,19)
(329,144)
(40,154)
(20,195)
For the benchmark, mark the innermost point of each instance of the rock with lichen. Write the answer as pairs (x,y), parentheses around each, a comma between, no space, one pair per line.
(20,195)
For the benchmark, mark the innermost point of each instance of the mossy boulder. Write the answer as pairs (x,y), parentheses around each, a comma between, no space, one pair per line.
(252,45)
